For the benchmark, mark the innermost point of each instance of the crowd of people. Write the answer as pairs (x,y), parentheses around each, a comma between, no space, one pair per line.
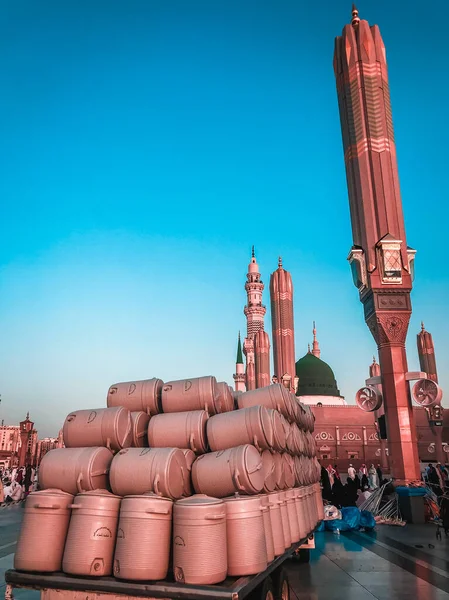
(357,485)
(17,483)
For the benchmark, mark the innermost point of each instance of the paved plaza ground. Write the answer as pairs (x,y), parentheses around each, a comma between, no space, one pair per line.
(403,563)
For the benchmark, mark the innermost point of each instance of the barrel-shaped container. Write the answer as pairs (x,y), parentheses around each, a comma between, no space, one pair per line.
(199,540)
(144,395)
(225,398)
(179,430)
(142,550)
(199,393)
(269,472)
(279,430)
(135,471)
(319,501)
(75,470)
(306,510)
(270,396)
(274,505)
(139,422)
(300,512)
(264,501)
(245,532)
(289,470)
(44,528)
(90,543)
(245,426)
(190,457)
(279,473)
(285,520)
(109,427)
(292,515)
(221,474)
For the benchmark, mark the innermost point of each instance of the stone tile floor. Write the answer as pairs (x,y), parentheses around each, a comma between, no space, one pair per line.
(354,566)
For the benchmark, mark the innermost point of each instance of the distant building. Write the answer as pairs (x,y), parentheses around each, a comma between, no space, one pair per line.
(19,444)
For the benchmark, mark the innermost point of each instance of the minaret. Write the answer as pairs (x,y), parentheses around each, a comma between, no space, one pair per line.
(427,363)
(239,376)
(281,294)
(380,259)
(379,415)
(254,313)
(26,430)
(262,358)
(374,368)
(315,346)
(426,353)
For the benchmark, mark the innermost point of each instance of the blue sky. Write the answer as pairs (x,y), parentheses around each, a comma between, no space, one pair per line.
(146,145)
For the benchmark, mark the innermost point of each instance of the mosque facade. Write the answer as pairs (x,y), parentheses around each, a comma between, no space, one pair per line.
(344,433)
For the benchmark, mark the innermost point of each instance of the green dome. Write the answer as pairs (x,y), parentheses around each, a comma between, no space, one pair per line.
(316,378)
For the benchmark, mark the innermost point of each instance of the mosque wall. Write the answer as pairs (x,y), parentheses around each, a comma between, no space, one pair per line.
(346,434)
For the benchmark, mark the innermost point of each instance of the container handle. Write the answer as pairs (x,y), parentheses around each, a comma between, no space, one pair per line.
(192,442)
(155,511)
(52,506)
(256,444)
(156,485)
(215,517)
(96,473)
(74,506)
(236,479)
(78,483)
(259,466)
(108,444)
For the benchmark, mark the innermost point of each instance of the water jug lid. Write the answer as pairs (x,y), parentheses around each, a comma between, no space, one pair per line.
(52,492)
(102,493)
(253,466)
(199,500)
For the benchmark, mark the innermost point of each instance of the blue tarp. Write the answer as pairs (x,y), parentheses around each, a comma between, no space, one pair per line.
(352,518)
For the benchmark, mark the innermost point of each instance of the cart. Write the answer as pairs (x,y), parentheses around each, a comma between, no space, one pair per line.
(270,584)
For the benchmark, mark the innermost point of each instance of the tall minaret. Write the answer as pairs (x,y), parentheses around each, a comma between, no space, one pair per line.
(239,375)
(426,353)
(315,346)
(379,415)
(427,363)
(262,358)
(380,259)
(254,313)
(281,294)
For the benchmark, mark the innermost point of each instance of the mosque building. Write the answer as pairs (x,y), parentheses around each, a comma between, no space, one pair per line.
(343,432)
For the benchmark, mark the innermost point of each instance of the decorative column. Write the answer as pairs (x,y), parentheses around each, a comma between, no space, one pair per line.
(281,294)
(239,375)
(254,312)
(381,261)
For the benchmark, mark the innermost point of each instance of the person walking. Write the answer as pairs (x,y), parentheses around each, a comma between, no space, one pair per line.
(337,473)
(352,472)
(379,474)
(331,473)
(28,478)
(373,481)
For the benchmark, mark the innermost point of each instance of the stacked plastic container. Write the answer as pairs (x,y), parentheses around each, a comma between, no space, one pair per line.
(230,481)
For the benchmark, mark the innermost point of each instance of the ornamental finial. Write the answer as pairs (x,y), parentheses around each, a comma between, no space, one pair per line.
(355,16)
(280,262)
(253,254)
(422,326)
